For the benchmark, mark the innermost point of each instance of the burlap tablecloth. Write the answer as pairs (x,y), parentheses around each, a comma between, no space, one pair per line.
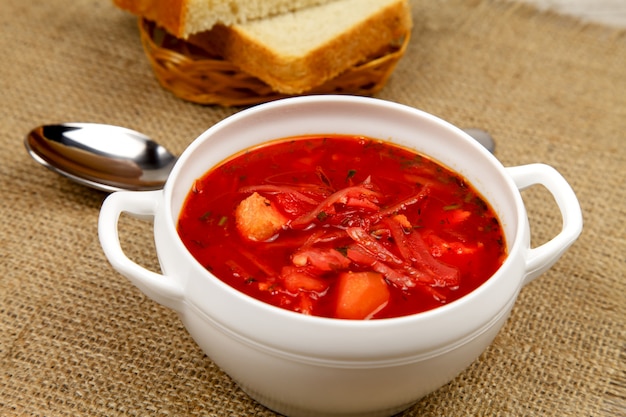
(76,338)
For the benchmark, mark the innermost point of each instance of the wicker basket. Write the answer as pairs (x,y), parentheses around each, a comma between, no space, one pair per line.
(193,75)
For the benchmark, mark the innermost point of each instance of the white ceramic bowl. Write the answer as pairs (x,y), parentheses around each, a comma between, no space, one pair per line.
(310,366)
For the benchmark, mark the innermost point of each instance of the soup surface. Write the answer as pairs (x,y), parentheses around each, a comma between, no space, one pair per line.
(342,227)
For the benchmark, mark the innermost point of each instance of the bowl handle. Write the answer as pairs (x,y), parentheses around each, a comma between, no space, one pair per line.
(541,258)
(163,289)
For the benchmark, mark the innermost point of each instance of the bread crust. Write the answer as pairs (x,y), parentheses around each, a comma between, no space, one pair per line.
(175,16)
(296,75)
(168,14)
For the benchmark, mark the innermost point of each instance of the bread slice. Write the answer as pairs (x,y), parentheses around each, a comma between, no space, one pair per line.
(297,51)
(184,17)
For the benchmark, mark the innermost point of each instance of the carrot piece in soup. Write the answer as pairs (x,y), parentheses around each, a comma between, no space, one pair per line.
(360,295)
(258,219)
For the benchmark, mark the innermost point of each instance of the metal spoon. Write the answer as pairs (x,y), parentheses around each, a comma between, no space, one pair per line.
(483,137)
(105,157)
(112,158)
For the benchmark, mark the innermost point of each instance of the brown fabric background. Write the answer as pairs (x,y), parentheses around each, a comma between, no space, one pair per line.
(76,338)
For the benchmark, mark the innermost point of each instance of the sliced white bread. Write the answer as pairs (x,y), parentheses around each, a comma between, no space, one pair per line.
(184,17)
(297,51)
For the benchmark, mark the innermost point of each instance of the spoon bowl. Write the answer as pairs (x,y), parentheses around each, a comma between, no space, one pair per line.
(112,158)
(104,157)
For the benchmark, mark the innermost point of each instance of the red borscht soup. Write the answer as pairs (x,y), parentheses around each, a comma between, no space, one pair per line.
(343,227)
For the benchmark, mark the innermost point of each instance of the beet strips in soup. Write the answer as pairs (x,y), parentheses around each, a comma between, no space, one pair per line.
(342,227)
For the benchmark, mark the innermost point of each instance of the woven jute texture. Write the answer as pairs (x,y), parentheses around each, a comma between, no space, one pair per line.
(77,339)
